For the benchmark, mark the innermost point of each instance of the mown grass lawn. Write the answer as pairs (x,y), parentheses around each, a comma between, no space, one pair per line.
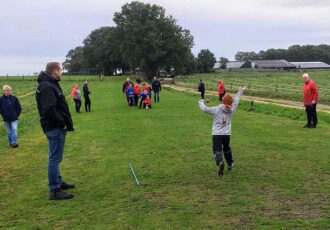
(280,180)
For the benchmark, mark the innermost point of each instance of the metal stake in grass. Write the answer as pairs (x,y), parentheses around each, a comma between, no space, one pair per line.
(137,182)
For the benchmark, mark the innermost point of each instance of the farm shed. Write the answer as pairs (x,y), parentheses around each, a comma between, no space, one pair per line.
(311,65)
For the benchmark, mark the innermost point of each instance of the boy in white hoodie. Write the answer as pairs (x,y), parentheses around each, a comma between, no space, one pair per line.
(221,130)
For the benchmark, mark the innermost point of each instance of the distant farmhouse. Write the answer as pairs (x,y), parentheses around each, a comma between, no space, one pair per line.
(311,65)
(280,64)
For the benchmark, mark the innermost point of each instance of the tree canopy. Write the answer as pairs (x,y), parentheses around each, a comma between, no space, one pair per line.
(205,61)
(144,37)
(151,40)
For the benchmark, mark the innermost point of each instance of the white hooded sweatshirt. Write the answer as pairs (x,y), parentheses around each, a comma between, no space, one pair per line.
(221,115)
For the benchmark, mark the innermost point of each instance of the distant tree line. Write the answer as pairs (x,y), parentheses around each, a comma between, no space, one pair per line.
(293,53)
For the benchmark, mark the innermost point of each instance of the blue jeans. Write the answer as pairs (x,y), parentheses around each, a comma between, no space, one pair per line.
(156,96)
(11,128)
(56,140)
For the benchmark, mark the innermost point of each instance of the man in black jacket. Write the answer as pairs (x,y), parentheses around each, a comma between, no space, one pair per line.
(156,87)
(55,119)
(86,96)
(201,88)
(10,109)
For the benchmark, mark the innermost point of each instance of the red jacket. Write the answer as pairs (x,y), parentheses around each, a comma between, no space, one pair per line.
(137,89)
(144,88)
(310,93)
(221,87)
(147,101)
(73,92)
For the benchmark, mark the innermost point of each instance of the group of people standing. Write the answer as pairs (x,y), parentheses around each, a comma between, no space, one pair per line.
(76,96)
(134,93)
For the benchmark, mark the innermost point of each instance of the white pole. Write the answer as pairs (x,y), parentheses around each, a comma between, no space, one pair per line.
(137,182)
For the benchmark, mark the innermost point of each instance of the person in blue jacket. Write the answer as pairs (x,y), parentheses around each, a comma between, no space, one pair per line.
(10,109)
(130,94)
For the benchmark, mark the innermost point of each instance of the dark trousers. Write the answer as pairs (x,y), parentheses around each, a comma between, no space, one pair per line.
(56,140)
(136,99)
(202,94)
(141,102)
(87,103)
(311,115)
(156,96)
(221,144)
(131,100)
(77,103)
(127,98)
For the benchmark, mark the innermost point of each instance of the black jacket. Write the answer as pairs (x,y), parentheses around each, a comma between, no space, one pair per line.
(126,85)
(10,108)
(201,87)
(52,106)
(86,90)
(156,87)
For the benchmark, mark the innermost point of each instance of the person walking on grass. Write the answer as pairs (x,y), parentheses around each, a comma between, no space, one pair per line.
(221,130)
(201,88)
(221,89)
(10,109)
(310,100)
(156,87)
(86,97)
(55,119)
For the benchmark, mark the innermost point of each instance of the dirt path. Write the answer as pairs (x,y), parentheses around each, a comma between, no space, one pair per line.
(280,102)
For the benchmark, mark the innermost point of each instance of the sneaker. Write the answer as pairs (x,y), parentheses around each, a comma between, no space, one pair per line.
(230,167)
(307,126)
(221,168)
(14,145)
(58,194)
(65,186)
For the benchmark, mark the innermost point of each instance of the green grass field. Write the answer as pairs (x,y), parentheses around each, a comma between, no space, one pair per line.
(284,85)
(280,179)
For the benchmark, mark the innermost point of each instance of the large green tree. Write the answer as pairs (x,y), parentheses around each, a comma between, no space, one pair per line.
(205,60)
(150,40)
(100,50)
(74,60)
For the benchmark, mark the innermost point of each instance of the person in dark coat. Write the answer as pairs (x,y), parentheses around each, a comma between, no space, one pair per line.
(156,88)
(10,109)
(125,87)
(201,88)
(55,119)
(86,96)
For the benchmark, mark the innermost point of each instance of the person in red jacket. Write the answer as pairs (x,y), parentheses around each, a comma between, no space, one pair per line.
(310,99)
(147,103)
(136,93)
(221,89)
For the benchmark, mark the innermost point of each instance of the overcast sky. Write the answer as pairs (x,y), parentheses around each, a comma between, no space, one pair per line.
(35,32)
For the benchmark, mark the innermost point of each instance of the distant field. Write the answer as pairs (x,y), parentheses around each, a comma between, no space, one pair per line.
(280,179)
(285,85)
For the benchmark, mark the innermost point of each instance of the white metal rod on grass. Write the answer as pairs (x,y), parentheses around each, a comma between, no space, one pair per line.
(137,182)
